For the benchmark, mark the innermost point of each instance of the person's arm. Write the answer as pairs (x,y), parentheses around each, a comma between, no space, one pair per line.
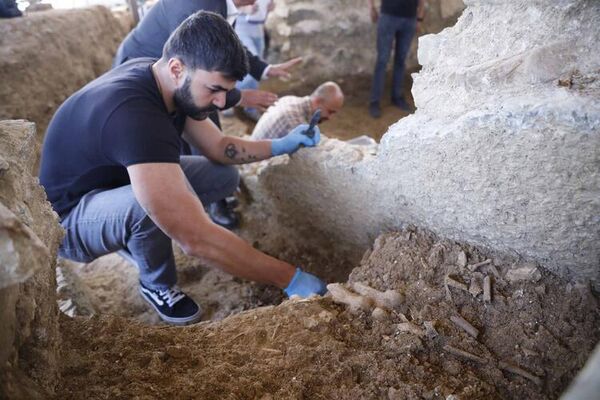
(420,10)
(373,11)
(181,216)
(211,142)
(254,98)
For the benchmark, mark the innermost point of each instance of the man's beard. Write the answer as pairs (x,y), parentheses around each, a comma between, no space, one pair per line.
(185,103)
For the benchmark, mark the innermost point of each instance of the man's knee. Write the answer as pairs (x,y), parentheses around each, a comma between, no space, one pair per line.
(228,176)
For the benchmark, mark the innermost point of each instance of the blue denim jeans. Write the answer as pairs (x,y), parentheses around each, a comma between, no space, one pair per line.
(389,28)
(256,45)
(106,221)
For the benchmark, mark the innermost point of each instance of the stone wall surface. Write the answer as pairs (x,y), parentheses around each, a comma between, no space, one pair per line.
(502,152)
(337,38)
(46,56)
(29,238)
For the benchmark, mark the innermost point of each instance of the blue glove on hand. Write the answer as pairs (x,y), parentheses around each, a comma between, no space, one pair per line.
(292,141)
(304,284)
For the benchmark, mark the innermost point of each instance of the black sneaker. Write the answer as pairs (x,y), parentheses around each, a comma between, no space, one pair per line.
(172,305)
(375,110)
(222,213)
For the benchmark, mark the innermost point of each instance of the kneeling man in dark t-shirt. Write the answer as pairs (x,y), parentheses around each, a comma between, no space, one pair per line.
(112,169)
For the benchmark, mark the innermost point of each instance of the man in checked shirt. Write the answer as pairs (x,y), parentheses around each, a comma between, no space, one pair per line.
(289,111)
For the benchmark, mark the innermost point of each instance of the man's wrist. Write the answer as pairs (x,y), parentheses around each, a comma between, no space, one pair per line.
(265,74)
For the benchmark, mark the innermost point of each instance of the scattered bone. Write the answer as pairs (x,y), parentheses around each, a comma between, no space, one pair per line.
(475,287)
(410,328)
(465,325)
(354,301)
(465,354)
(402,316)
(520,372)
(456,284)
(473,267)
(487,289)
(494,271)
(528,272)
(389,299)
(432,333)
(380,314)
(461,259)
(448,294)
(273,351)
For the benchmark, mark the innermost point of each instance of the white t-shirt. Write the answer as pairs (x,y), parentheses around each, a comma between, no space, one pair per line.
(253,24)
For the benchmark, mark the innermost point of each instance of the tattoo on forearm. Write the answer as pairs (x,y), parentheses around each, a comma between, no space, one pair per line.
(231,151)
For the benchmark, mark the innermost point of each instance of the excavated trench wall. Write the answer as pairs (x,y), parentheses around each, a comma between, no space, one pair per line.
(44,58)
(337,39)
(502,152)
(29,238)
(47,56)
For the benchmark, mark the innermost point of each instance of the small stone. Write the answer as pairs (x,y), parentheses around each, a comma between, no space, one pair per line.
(177,351)
(430,329)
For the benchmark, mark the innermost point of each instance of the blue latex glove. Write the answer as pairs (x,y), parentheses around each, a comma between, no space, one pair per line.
(304,284)
(292,141)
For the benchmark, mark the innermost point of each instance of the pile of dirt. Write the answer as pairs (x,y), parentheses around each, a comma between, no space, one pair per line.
(540,326)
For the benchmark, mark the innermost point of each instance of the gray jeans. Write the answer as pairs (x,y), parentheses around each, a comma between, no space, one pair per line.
(106,221)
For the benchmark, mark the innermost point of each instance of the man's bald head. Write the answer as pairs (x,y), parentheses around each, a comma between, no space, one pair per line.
(329,98)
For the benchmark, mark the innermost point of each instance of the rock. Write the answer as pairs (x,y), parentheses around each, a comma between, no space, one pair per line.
(29,238)
(497,154)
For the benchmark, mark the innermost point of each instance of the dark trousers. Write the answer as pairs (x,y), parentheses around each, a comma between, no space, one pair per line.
(392,29)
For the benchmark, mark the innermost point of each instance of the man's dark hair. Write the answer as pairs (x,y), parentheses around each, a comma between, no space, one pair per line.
(206,41)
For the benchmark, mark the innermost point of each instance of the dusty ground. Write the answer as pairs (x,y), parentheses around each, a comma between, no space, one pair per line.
(317,349)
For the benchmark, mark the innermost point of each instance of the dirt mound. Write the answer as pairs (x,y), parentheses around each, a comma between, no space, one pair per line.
(535,325)
(46,56)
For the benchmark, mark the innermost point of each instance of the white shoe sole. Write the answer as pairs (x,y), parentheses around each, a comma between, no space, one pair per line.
(174,321)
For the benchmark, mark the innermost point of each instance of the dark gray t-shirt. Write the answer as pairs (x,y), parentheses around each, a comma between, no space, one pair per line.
(148,38)
(115,121)
(400,8)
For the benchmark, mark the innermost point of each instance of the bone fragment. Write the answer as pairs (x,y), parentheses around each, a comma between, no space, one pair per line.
(527,272)
(461,259)
(492,268)
(456,284)
(475,287)
(487,289)
(473,267)
(410,328)
(380,314)
(465,325)
(389,299)
(464,354)
(354,301)
(520,372)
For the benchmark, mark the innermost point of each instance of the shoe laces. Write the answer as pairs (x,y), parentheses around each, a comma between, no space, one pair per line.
(172,295)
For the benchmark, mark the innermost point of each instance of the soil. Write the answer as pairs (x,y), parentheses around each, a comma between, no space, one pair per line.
(317,349)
